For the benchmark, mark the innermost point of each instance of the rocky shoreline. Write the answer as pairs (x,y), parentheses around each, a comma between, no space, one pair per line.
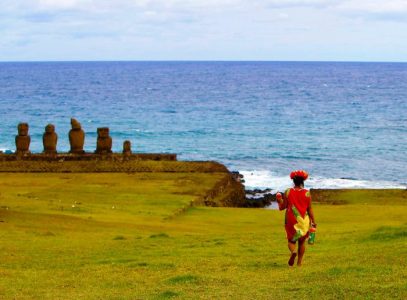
(266,198)
(257,197)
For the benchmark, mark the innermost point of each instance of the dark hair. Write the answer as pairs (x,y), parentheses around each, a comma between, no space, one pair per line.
(298,181)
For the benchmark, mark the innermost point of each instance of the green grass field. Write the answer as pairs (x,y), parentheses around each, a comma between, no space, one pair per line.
(122,236)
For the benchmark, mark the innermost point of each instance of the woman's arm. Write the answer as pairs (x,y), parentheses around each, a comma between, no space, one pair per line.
(311,214)
(310,210)
(282,201)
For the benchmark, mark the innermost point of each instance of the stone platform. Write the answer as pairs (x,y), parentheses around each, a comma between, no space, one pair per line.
(115,162)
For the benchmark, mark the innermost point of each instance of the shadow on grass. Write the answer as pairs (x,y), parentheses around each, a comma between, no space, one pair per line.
(256,265)
(183,279)
(386,233)
(340,271)
(167,295)
(159,235)
(131,261)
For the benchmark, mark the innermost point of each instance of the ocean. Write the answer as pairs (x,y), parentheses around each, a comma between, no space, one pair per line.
(345,123)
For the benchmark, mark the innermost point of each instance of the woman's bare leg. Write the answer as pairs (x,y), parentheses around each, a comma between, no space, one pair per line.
(301,250)
(291,247)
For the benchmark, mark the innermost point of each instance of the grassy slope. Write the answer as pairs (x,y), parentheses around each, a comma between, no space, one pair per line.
(51,250)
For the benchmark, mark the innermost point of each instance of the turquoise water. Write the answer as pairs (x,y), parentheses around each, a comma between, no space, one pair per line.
(346,123)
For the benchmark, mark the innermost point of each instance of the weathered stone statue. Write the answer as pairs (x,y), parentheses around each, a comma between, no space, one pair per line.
(23,139)
(76,137)
(127,147)
(104,141)
(50,139)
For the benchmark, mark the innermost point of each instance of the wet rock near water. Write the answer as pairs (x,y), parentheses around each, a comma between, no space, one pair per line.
(259,198)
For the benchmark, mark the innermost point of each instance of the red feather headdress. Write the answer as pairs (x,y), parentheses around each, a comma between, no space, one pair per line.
(299,173)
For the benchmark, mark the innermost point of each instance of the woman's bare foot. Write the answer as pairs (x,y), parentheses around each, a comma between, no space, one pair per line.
(292,259)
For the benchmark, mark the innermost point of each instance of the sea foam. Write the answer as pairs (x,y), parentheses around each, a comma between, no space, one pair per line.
(262,179)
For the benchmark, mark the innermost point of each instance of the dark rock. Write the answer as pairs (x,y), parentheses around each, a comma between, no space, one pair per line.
(259,198)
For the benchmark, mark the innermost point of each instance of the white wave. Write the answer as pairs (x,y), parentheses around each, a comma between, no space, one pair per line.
(273,206)
(265,179)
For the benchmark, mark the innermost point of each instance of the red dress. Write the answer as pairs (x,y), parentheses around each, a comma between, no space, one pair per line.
(297,222)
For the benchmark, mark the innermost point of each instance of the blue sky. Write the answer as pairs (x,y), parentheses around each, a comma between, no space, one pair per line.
(338,30)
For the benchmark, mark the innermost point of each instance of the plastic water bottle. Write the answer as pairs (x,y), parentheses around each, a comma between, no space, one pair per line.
(312,232)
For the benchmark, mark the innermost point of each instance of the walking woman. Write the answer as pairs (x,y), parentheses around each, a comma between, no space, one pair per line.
(299,215)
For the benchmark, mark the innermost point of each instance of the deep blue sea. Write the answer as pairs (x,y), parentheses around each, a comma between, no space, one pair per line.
(345,123)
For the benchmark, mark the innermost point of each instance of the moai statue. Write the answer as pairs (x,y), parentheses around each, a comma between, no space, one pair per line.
(126,147)
(23,139)
(76,137)
(50,139)
(104,141)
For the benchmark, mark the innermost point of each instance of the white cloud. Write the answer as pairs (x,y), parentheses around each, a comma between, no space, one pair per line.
(204,6)
(390,10)
(62,4)
(375,6)
(101,5)
(184,29)
(297,3)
